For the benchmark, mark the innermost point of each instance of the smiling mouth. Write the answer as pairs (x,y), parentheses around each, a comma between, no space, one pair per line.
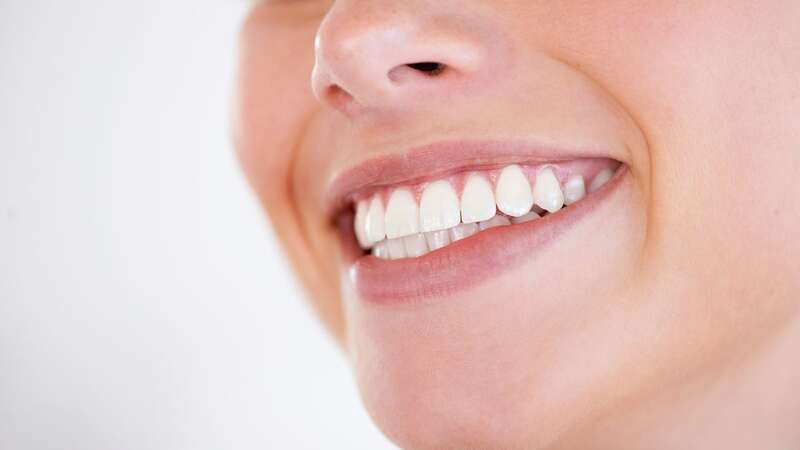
(412,235)
(412,220)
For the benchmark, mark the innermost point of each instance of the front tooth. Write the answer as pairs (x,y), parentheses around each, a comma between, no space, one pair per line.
(374,224)
(415,245)
(438,207)
(526,218)
(396,248)
(547,191)
(477,200)
(437,239)
(600,179)
(381,250)
(402,214)
(513,192)
(496,221)
(463,231)
(574,189)
(360,224)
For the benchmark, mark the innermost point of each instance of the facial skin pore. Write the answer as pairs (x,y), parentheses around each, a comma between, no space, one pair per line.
(663,314)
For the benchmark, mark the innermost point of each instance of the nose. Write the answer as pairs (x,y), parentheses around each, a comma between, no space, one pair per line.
(374,55)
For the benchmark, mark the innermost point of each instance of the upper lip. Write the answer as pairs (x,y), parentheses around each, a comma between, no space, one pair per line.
(443,158)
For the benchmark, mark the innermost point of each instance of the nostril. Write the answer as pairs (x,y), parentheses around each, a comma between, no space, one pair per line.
(338,97)
(428,68)
(409,72)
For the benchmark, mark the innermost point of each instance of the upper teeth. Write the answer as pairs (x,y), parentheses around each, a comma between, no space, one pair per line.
(402,214)
(547,191)
(477,200)
(438,207)
(374,223)
(600,179)
(514,195)
(405,228)
(574,189)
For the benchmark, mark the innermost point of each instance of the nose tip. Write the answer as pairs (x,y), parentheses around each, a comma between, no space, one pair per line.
(366,62)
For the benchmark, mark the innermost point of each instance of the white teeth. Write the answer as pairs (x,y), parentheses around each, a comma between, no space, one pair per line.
(381,250)
(415,245)
(547,191)
(438,207)
(526,218)
(437,239)
(496,221)
(404,229)
(600,179)
(397,249)
(477,200)
(463,231)
(513,192)
(360,224)
(402,214)
(574,189)
(374,225)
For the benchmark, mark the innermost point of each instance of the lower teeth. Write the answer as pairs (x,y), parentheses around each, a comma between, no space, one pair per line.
(420,244)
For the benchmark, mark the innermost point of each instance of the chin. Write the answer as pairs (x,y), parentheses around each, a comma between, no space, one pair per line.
(491,342)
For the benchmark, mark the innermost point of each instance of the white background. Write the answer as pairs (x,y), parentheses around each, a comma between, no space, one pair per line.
(143,302)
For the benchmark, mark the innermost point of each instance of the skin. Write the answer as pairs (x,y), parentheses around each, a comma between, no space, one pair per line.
(678,328)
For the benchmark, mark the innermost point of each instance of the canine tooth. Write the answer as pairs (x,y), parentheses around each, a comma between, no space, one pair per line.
(526,218)
(438,207)
(463,231)
(600,179)
(360,224)
(547,191)
(477,200)
(397,249)
(402,214)
(437,239)
(574,189)
(381,250)
(496,221)
(374,224)
(415,245)
(513,191)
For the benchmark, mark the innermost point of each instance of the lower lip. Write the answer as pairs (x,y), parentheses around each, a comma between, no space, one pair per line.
(468,262)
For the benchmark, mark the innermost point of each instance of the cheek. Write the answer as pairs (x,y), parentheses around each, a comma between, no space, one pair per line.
(712,89)
(275,124)
(275,103)
(274,99)
(314,150)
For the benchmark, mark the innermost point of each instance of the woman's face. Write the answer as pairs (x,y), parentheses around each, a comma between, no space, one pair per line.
(375,131)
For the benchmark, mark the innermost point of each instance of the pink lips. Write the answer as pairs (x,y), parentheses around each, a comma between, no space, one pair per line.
(464,263)
(440,159)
